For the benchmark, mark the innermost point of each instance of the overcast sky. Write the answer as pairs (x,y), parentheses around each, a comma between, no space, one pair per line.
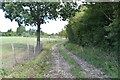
(51,27)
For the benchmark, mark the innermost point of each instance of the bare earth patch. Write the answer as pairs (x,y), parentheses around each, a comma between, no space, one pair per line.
(60,68)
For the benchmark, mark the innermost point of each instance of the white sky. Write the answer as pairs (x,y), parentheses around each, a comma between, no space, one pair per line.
(51,27)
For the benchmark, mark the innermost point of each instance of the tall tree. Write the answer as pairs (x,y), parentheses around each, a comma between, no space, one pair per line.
(97,24)
(37,13)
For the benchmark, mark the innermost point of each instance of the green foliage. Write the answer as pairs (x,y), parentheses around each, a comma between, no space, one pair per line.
(67,10)
(20,31)
(95,25)
(13,11)
(0,33)
(29,33)
(37,13)
(32,31)
(26,34)
(43,34)
(9,33)
(3,72)
(114,29)
(63,33)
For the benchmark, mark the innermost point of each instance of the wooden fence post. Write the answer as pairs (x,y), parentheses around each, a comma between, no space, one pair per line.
(28,51)
(34,48)
(13,51)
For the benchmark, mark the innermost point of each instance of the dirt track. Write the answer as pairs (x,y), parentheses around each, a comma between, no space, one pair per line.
(60,68)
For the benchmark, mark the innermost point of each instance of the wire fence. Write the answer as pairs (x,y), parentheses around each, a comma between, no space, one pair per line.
(16,50)
(19,53)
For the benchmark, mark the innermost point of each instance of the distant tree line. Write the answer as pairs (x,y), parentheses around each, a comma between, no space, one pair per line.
(21,31)
(63,33)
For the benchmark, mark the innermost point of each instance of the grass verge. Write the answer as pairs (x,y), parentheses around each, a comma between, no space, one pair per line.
(75,70)
(100,59)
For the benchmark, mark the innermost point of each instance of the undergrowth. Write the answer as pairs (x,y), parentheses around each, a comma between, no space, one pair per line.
(100,59)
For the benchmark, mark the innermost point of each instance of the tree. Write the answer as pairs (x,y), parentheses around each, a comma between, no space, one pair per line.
(9,33)
(36,13)
(31,32)
(67,10)
(20,30)
(96,24)
(63,33)
(13,11)
(114,29)
(0,33)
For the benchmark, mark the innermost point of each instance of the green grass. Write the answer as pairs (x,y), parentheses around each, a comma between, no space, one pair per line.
(100,59)
(32,68)
(75,70)
(25,40)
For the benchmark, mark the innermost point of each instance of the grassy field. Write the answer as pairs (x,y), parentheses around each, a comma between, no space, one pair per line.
(107,62)
(29,40)
(20,44)
(33,68)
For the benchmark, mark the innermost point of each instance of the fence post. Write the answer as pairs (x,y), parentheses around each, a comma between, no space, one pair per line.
(34,48)
(0,53)
(28,51)
(13,50)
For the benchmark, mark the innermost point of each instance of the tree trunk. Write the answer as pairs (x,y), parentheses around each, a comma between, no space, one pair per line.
(38,35)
